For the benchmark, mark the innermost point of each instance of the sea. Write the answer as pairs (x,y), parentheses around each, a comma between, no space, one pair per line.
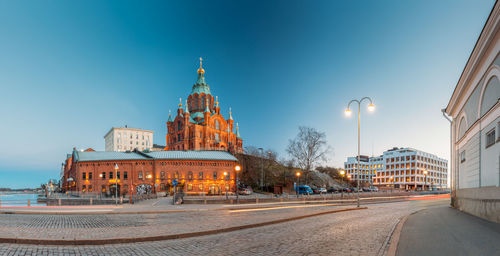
(18,199)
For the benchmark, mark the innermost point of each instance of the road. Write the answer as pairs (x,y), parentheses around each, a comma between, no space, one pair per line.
(445,231)
(363,232)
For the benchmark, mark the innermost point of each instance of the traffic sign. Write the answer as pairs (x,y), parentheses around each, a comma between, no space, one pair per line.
(174,182)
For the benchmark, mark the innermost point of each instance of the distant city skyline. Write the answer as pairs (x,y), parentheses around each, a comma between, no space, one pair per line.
(69,71)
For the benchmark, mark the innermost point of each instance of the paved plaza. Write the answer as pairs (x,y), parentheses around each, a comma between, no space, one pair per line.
(362,232)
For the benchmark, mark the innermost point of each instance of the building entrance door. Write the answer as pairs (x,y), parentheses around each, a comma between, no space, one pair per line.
(112,189)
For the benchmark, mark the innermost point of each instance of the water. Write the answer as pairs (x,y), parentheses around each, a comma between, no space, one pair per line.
(18,199)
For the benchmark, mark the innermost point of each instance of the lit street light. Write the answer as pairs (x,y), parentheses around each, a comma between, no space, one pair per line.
(237,168)
(348,113)
(298,182)
(425,179)
(116,184)
(225,184)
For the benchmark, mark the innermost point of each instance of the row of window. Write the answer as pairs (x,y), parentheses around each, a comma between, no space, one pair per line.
(163,175)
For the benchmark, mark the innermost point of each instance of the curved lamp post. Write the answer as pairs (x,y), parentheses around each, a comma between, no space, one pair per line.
(348,113)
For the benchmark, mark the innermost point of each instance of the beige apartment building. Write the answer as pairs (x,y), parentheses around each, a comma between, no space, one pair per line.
(124,139)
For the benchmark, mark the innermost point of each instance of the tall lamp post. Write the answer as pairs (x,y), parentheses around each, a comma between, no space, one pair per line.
(116,184)
(392,180)
(261,169)
(225,183)
(237,168)
(298,182)
(425,179)
(342,173)
(348,112)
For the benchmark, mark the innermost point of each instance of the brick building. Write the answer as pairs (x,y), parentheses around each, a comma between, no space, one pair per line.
(140,172)
(201,126)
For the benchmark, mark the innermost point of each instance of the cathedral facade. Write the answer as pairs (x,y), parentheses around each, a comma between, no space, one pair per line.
(199,124)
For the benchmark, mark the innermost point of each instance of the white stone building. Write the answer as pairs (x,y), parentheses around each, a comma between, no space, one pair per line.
(474,109)
(404,168)
(123,138)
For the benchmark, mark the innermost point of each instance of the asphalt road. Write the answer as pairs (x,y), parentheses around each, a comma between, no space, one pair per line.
(445,231)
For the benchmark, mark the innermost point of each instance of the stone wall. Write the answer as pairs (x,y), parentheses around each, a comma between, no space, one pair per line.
(482,202)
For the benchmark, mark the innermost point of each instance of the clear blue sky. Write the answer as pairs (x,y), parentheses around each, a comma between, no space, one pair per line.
(70,70)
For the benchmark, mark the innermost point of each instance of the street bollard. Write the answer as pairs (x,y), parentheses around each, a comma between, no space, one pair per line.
(29,203)
(121,199)
(59,201)
(91,201)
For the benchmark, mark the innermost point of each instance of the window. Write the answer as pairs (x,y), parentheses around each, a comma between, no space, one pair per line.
(462,157)
(90,175)
(215,175)
(140,175)
(90,188)
(178,137)
(111,175)
(162,186)
(190,187)
(176,175)
(490,138)
(125,175)
(200,186)
(84,175)
(190,175)
(103,175)
(162,175)
(84,188)
(117,175)
(200,175)
(217,126)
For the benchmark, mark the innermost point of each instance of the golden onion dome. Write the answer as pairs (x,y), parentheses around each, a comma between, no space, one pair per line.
(201,70)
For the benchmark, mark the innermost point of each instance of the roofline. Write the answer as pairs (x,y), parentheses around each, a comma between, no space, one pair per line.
(469,59)
(127,128)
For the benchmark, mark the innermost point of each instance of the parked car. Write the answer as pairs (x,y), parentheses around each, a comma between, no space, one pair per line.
(304,190)
(365,189)
(332,190)
(319,190)
(245,191)
(374,189)
(347,190)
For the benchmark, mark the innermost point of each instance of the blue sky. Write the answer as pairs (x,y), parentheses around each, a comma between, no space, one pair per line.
(71,70)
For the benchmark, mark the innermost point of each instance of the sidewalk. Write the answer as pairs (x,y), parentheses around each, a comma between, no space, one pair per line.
(447,231)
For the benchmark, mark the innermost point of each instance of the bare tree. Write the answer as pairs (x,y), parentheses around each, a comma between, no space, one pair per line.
(308,149)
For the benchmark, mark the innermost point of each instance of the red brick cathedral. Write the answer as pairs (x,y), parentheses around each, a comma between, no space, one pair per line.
(201,126)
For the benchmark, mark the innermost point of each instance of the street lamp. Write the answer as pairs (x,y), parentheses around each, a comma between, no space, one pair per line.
(116,184)
(348,112)
(298,182)
(225,184)
(261,169)
(392,180)
(425,179)
(237,168)
(342,173)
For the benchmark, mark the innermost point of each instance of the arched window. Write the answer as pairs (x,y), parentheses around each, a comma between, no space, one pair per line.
(190,175)
(491,95)
(462,127)
(217,126)
(179,125)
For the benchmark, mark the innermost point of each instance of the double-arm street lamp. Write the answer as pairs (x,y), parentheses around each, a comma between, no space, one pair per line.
(348,112)
(225,183)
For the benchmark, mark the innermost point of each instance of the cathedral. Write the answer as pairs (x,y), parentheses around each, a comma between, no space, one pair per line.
(199,125)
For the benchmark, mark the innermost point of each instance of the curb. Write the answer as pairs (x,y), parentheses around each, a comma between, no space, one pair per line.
(165,237)
(396,234)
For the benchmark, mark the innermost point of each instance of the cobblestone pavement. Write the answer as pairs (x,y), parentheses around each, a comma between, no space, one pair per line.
(346,233)
(80,227)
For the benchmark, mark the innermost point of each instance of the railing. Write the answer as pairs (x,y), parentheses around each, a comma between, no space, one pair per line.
(19,202)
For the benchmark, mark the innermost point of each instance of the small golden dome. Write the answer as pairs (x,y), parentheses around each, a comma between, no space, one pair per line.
(201,70)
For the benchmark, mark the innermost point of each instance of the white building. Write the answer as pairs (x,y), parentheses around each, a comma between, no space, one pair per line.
(123,139)
(404,168)
(474,109)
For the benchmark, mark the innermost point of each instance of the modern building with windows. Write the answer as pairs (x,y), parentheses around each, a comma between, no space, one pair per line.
(474,109)
(402,168)
(123,139)
(197,172)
